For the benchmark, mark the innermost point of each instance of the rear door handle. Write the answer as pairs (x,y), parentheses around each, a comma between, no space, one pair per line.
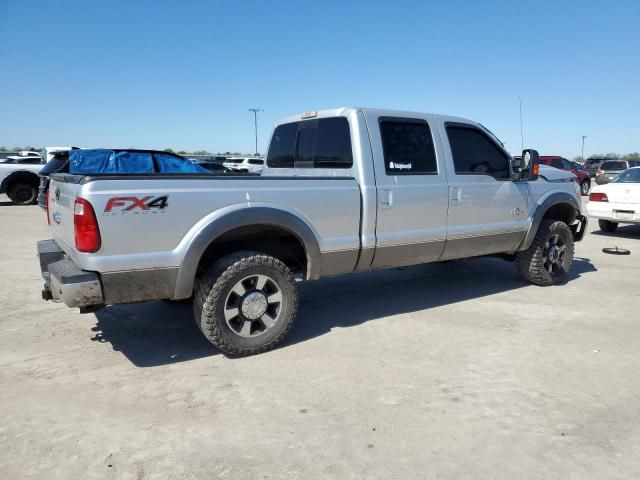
(386,198)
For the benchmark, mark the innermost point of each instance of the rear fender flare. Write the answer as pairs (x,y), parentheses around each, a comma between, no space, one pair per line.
(241,218)
(9,179)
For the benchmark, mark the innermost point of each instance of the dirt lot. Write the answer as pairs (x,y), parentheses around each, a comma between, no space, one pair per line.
(456,370)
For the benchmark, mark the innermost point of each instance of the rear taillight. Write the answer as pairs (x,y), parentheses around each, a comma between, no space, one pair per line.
(598,197)
(46,206)
(86,227)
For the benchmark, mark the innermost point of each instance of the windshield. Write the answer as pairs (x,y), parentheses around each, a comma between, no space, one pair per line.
(629,176)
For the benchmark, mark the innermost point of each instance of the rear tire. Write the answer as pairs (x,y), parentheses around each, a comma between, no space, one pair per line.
(548,260)
(245,303)
(607,226)
(585,187)
(23,194)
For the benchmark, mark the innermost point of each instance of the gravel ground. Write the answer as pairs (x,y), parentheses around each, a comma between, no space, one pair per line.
(452,371)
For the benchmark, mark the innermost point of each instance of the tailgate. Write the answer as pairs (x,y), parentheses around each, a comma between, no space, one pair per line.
(62,194)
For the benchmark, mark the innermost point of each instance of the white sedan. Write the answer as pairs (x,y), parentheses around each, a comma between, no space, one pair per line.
(616,202)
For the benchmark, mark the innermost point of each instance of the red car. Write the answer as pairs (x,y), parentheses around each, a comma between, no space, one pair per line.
(582,176)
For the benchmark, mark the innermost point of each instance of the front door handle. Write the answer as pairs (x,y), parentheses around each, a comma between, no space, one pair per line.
(455,195)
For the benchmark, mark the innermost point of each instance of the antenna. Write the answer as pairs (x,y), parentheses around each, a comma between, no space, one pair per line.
(521,130)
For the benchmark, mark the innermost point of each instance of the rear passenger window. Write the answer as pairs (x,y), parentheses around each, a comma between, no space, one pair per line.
(475,154)
(321,143)
(408,147)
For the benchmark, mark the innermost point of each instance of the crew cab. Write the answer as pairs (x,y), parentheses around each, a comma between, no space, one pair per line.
(343,190)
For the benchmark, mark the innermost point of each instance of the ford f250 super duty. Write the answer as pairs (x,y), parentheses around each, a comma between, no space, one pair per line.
(343,190)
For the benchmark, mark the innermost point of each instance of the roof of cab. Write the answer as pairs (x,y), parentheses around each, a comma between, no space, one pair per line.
(381,112)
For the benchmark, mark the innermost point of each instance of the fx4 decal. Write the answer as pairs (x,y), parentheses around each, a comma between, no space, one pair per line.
(148,204)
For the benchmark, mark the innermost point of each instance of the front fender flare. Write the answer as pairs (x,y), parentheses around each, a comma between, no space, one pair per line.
(242,218)
(540,211)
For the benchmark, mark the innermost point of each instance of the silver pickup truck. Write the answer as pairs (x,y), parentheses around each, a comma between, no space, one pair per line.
(343,190)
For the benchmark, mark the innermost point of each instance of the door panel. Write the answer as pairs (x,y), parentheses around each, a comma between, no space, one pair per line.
(486,214)
(412,204)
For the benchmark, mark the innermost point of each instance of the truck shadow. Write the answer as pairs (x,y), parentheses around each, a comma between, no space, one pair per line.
(623,231)
(159,333)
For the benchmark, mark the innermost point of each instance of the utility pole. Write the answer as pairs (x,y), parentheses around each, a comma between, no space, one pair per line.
(583,137)
(255,123)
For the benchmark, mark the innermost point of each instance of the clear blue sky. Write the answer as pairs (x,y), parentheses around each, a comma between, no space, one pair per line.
(182,74)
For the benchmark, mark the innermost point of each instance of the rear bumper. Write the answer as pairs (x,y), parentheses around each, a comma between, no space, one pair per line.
(64,281)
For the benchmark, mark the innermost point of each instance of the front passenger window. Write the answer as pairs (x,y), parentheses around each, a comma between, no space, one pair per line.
(475,154)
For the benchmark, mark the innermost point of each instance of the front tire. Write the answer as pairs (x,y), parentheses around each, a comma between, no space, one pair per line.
(607,226)
(246,303)
(548,260)
(23,194)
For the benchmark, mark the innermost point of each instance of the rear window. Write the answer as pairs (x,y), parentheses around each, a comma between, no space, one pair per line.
(321,143)
(629,176)
(614,166)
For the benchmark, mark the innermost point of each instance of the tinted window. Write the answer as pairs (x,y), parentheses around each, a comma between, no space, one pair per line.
(557,163)
(306,144)
(322,143)
(333,144)
(408,147)
(474,153)
(283,144)
(256,162)
(614,166)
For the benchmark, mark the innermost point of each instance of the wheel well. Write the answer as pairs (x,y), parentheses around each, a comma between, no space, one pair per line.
(564,212)
(21,177)
(274,241)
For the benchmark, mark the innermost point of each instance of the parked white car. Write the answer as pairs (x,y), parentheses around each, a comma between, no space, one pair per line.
(19,178)
(245,164)
(616,202)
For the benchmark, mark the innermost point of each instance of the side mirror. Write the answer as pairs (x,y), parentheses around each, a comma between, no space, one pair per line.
(530,165)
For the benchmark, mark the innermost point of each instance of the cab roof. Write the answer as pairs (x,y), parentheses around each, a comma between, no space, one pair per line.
(381,112)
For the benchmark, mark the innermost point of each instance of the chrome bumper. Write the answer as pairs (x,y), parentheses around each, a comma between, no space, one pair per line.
(64,281)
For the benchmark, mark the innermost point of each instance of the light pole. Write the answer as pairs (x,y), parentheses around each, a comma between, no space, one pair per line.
(255,123)
(583,137)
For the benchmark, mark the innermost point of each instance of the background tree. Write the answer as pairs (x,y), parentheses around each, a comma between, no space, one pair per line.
(632,156)
(168,150)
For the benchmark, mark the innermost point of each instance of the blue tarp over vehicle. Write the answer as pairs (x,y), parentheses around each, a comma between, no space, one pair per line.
(86,162)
